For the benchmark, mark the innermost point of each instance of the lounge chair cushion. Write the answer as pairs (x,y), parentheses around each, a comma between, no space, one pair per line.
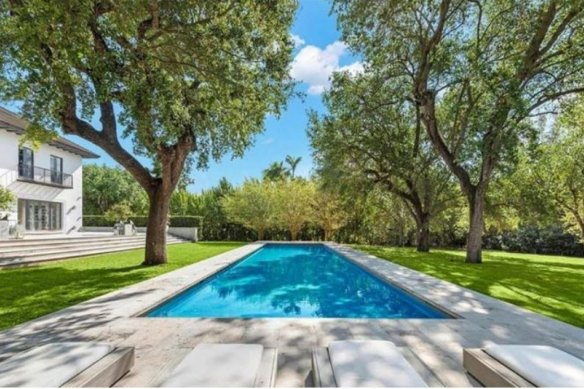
(371,363)
(51,365)
(217,365)
(541,365)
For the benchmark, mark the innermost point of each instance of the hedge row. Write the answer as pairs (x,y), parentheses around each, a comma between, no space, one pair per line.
(142,221)
(530,239)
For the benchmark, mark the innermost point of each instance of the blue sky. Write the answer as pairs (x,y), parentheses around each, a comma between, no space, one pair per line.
(318,53)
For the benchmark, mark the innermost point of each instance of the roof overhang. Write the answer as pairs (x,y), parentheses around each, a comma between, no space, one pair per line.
(13,123)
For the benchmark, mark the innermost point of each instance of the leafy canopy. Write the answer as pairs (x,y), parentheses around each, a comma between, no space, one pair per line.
(6,199)
(207,69)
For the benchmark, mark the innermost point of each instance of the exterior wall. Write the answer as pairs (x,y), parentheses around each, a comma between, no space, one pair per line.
(189,233)
(70,199)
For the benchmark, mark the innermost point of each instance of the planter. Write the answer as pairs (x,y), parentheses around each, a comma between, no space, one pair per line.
(19,231)
(128,229)
(4,229)
(189,233)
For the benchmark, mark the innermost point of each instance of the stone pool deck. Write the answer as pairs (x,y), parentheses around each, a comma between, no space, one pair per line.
(161,343)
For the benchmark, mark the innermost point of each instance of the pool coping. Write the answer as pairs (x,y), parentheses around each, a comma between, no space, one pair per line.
(450,315)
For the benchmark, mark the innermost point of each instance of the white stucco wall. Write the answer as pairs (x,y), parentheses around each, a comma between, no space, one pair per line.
(70,199)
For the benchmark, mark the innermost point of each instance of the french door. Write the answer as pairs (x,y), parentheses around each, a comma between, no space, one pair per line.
(39,215)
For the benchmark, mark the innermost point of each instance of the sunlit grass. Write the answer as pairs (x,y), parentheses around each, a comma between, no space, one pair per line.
(27,293)
(550,285)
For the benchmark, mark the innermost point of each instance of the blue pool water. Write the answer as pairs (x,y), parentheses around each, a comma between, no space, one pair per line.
(291,280)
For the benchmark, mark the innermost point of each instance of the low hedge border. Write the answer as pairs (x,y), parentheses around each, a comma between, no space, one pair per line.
(142,221)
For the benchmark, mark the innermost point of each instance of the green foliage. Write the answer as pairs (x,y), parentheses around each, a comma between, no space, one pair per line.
(272,205)
(104,187)
(527,280)
(532,239)
(478,72)
(141,221)
(207,205)
(292,164)
(120,212)
(28,293)
(364,139)
(252,205)
(210,69)
(100,221)
(276,172)
(189,81)
(328,212)
(186,221)
(7,199)
(293,204)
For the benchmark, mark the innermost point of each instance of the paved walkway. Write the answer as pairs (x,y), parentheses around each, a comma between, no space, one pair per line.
(161,343)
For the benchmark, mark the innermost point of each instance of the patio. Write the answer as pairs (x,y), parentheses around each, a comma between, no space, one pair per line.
(161,343)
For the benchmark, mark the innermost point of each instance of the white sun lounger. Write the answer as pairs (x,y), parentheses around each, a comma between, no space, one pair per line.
(524,366)
(226,365)
(67,364)
(363,363)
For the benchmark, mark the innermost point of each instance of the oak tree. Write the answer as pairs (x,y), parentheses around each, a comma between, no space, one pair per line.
(363,134)
(185,81)
(477,70)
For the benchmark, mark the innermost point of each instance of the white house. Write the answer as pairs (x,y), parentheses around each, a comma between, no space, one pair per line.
(47,181)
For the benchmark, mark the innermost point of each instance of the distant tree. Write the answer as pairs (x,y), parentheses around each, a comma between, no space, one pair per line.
(7,199)
(105,186)
(293,164)
(181,201)
(387,220)
(276,172)
(120,212)
(381,143)
(188,80)
(556,171)
(293,207)
(252,205)
(477,71)
(328,212)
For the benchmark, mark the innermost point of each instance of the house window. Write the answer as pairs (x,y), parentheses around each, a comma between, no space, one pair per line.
(56,170)
(26,163)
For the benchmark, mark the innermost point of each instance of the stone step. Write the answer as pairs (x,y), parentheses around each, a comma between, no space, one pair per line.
(59,240)
(45,257)
(65,244)
(25,250)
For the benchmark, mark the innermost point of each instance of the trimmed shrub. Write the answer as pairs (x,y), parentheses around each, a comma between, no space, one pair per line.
(531,239)
(186,221)
(141,221)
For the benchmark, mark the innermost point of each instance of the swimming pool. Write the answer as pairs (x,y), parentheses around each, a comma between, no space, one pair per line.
(295,280)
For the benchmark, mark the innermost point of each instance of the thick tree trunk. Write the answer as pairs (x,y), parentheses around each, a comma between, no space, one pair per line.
(474,240)
(156,229)
(579,220)
(294,233)
(260,234)
(327,235)
(423,234)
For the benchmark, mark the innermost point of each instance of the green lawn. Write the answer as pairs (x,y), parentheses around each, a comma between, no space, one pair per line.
(27,293)
(550,285)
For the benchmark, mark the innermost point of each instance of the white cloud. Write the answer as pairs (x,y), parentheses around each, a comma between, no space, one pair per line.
(315,66)
(298,42)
